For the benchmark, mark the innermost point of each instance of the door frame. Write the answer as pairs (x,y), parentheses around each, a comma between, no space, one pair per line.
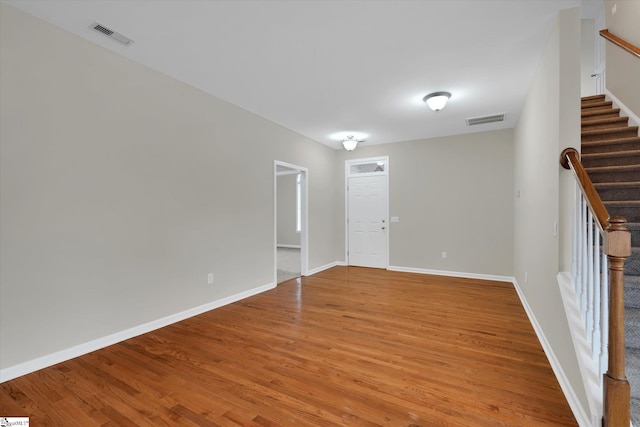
(347,175)
(304,216)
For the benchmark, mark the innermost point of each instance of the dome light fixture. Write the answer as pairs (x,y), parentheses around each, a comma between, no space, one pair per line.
(350,143)
(437,100)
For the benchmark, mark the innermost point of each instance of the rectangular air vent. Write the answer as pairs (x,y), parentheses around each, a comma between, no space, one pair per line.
(472,121)
(112,34)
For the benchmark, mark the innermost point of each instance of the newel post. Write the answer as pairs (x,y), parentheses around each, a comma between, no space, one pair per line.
(617,246)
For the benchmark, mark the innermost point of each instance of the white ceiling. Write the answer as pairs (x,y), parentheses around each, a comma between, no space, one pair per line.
(329,68)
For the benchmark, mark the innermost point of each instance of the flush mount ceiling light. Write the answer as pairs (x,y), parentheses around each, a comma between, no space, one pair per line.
(350,143)
(437,100)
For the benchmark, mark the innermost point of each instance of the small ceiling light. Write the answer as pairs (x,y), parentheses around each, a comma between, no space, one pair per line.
(437,100)
(350,143)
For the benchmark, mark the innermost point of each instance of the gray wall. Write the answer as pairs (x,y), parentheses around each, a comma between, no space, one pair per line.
(549,122)
(452,194)
(287,234)
(623,68)
(122,188)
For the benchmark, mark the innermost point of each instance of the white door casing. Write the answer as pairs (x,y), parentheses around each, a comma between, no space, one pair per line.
(304,219)
(600,46)
(367,219)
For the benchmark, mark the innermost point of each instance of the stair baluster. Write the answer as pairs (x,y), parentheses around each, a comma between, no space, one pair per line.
(592,221)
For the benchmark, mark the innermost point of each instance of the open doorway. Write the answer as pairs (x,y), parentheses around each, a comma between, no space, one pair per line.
(290,228)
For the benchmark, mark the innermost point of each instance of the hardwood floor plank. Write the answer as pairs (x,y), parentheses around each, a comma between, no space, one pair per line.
(348,346)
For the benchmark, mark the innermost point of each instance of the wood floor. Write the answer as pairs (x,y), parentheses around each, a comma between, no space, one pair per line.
(348,346)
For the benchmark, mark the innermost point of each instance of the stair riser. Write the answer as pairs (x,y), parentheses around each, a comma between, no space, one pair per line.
(631,159)
(632,297)
(607,194)
(630,213)
(614,176)
(610,147)
(631,336)
(632,328)
(632,359)
(634,229)
(632,265)
(613,133)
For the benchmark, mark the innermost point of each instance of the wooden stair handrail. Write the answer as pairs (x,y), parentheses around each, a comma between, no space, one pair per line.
(631,48)
(570,159)
(617,247)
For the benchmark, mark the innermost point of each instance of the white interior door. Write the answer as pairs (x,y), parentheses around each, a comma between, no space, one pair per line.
(600,60)
(367,221)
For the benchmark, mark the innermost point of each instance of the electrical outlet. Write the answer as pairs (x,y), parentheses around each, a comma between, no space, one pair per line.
(210,278)
(444,254)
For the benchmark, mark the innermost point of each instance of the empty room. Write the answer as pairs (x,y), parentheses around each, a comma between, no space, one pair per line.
(306,213)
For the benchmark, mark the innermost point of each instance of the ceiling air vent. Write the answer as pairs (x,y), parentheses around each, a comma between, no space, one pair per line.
(112,34)
(472,121)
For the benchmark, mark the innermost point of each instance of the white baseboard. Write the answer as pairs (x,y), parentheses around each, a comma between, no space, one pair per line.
(451,273)
(588,369)
(289,246)
(325,267)
(80,349)
(633,118)
(565,385)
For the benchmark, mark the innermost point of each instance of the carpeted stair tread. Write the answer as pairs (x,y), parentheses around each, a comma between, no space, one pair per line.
(601,123)
(632,360)
(629,209)
(611,144)
(595,104)
(626,190)
(616,173)
(612,154)
(612,158)
(600,112)
(632,292)
(614,168)
(622,203)
(632,328)
(592,98)
(605,185)
(622,192)
(608,133)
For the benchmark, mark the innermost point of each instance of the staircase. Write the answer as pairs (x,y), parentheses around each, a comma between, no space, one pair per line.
(611,156)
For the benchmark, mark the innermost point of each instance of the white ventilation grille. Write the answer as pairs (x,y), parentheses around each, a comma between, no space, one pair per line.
(472,121)
(111,34)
